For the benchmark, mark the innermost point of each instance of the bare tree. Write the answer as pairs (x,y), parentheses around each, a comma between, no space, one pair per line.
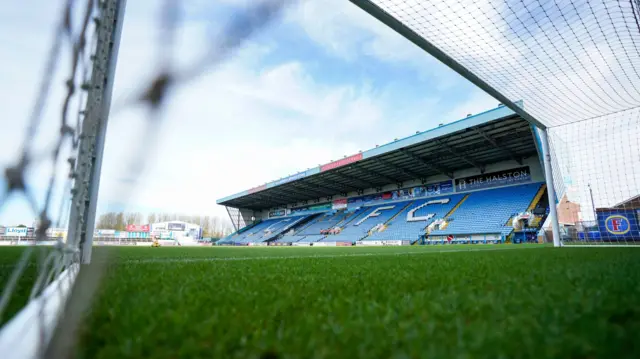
(132,218)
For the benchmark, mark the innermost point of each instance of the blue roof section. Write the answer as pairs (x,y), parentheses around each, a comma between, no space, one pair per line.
(475,120)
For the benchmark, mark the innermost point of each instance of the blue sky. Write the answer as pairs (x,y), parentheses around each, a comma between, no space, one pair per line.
(323,81)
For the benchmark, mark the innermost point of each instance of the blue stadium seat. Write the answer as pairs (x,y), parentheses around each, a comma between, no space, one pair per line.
(268,229)
(329,220)
(489,211)
(359,226)
(401,229)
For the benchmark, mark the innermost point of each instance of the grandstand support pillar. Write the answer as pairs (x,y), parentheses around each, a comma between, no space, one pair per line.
(551,192)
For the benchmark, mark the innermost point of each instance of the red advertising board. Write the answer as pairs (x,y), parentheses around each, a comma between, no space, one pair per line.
(137,228)
(340,163)
(340,203)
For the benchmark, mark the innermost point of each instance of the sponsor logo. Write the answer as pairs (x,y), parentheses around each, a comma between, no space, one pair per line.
(290,178)
(339,163)
(430,190)
(137,228)
(617,224)
(494,179)
(277,213)
(16,231)
(340,203)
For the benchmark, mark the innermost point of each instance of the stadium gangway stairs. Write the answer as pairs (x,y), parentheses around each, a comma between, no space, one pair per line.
(239,231)
(360,228)
(325,222)
(401,229)
(320,217)
(487,212)
(285,228)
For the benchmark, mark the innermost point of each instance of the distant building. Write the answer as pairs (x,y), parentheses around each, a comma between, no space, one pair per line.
(568,212)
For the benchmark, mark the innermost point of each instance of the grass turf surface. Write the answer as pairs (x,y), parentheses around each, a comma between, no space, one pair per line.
(9,256)
(381,302)
(389,302)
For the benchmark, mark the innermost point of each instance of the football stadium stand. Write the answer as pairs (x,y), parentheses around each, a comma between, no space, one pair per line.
(477,180)
(402,228)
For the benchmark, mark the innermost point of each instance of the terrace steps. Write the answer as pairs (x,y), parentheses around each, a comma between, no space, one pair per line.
(397,214)
(456,206)
(537,198)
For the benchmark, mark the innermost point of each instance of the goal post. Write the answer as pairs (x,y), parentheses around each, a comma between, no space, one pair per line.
(94,40)
(551,192)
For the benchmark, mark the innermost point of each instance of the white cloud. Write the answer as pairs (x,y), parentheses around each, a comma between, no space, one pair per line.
(239,125)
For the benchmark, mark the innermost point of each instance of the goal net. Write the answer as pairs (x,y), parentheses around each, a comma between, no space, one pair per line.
(575,67)
(62,139)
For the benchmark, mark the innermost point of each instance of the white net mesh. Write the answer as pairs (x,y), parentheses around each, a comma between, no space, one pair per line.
(575,67)
(35,287)
(568,61)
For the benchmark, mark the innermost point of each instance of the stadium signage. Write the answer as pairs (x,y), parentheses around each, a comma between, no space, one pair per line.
(340,203)
(297,176)
(383,243)
(618,224)
(175,226)
(494,179)
(16,231)
(319,207)
(430,190)
(342,162)
(137,234)
(277,213)
(324,244)
(137,228)
(106,232)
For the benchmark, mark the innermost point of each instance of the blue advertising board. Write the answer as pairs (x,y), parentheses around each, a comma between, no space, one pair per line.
(277,213)
(494,179)
(618,224)
(429,190)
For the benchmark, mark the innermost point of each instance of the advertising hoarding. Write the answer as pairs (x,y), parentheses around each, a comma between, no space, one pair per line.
(429,190)
(176,226)
(616,224)
(137,228)
(318,207)
(494,179)
(294,177)
(16,231)
(339,163)
(340,203)
(277,213)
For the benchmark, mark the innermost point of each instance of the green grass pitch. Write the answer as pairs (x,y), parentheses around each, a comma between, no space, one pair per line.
(385,302)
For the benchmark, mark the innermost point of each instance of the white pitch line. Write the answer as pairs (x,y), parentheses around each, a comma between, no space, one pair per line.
(382,254)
